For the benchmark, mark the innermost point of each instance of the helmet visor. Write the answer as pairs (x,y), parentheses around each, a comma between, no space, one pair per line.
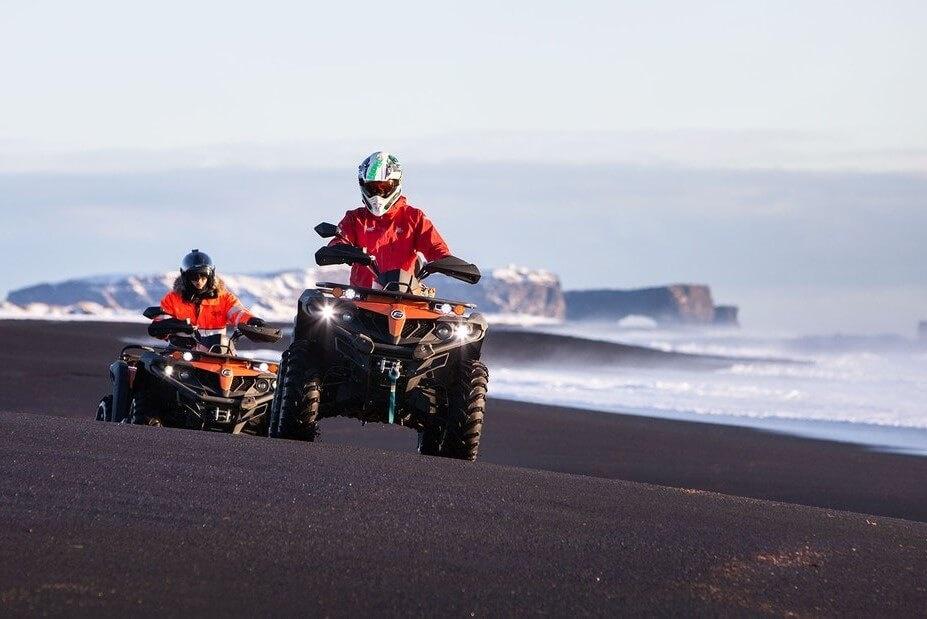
(197,273)
(379,188)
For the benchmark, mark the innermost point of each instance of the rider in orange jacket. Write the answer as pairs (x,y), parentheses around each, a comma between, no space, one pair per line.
(387,227)
(201,297)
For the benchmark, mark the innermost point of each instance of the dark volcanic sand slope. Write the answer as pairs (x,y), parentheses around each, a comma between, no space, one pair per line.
(133,520)
(519,346)
(60,368)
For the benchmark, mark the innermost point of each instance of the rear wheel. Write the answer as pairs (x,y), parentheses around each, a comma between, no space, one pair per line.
(105,409)
(466,404)
(143,411)
(295,410)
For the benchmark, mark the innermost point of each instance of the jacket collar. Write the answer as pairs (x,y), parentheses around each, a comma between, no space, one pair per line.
(394,210)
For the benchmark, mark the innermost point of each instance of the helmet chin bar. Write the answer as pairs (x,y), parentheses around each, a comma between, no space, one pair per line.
(378,205)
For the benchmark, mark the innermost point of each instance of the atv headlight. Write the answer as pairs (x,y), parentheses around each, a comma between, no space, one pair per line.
(168,370)
(327,312)
(350,294)
(262,367)
(187,356)
(262,385)
(444,308)
(462,331)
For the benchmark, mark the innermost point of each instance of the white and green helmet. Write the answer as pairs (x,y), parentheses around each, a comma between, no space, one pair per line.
(380,179)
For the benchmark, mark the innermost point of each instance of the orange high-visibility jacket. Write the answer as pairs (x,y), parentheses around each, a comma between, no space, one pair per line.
(209,314)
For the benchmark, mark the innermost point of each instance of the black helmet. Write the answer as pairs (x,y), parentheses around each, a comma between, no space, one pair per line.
(198,263)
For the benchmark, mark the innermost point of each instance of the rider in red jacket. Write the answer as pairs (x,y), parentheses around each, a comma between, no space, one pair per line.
(387,227)
(201,297)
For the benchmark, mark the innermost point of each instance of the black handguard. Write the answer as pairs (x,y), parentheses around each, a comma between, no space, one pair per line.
(254,321)
(169,326)
(264,334)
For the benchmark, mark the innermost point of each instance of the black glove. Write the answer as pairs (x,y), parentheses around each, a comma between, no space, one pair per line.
(256,322)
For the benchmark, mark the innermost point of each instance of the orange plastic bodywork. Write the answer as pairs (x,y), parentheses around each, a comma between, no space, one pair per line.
(226,369)
(389,308)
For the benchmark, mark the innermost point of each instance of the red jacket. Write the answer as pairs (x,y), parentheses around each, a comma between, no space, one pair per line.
(394,238)
(210,314)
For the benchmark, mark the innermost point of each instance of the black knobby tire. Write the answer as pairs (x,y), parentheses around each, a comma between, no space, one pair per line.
(299,389)
(431,436)
(466,404)
(273,419)
(429,441)
(143,411)
(105,409)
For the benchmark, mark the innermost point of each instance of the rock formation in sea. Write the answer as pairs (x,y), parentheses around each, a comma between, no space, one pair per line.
(673,304)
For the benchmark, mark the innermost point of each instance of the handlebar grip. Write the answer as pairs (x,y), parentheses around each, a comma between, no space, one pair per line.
(169,326)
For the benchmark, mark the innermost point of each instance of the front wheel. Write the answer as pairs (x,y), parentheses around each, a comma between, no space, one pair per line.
(295,409)
(466,404)
(431,436)
(143,411)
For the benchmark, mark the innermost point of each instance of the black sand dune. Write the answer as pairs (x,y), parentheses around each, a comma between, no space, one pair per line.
(550,349)
(129,519)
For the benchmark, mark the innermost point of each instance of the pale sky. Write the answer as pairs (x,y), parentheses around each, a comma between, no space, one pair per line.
(170,75)
(754,146)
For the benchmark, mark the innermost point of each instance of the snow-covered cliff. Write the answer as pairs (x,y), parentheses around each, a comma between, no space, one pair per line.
(509,293)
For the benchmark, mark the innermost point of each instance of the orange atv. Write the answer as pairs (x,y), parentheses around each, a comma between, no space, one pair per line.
(198,381)
(390,355)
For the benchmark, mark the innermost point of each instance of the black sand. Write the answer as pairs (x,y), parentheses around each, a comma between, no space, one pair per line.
(128,519)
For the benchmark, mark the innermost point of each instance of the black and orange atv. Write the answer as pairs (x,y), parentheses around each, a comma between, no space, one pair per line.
(391,355)
(196,382)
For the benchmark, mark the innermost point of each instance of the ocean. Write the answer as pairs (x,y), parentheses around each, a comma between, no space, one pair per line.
(864,389)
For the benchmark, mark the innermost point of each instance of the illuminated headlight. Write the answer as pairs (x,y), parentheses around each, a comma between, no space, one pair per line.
(168,370)
(350,294)
(327,312)
(273,384)
(262,385)
(462,331)
(263,367)
(188,356)
(444,308)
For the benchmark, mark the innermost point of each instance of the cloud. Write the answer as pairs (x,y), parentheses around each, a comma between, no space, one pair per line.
(686,148)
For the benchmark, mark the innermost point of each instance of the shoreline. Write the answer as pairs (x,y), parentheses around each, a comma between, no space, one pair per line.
(904,440)
(60,369)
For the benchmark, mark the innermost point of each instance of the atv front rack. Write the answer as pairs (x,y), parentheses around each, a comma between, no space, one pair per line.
(367,346)
(390,294)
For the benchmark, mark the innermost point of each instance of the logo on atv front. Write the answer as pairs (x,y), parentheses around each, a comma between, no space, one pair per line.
(226,372)
(397,314)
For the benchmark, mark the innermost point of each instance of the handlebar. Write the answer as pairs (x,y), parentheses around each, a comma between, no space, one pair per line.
(175,327)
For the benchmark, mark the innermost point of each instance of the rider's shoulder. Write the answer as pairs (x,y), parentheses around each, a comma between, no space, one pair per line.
(411,211)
